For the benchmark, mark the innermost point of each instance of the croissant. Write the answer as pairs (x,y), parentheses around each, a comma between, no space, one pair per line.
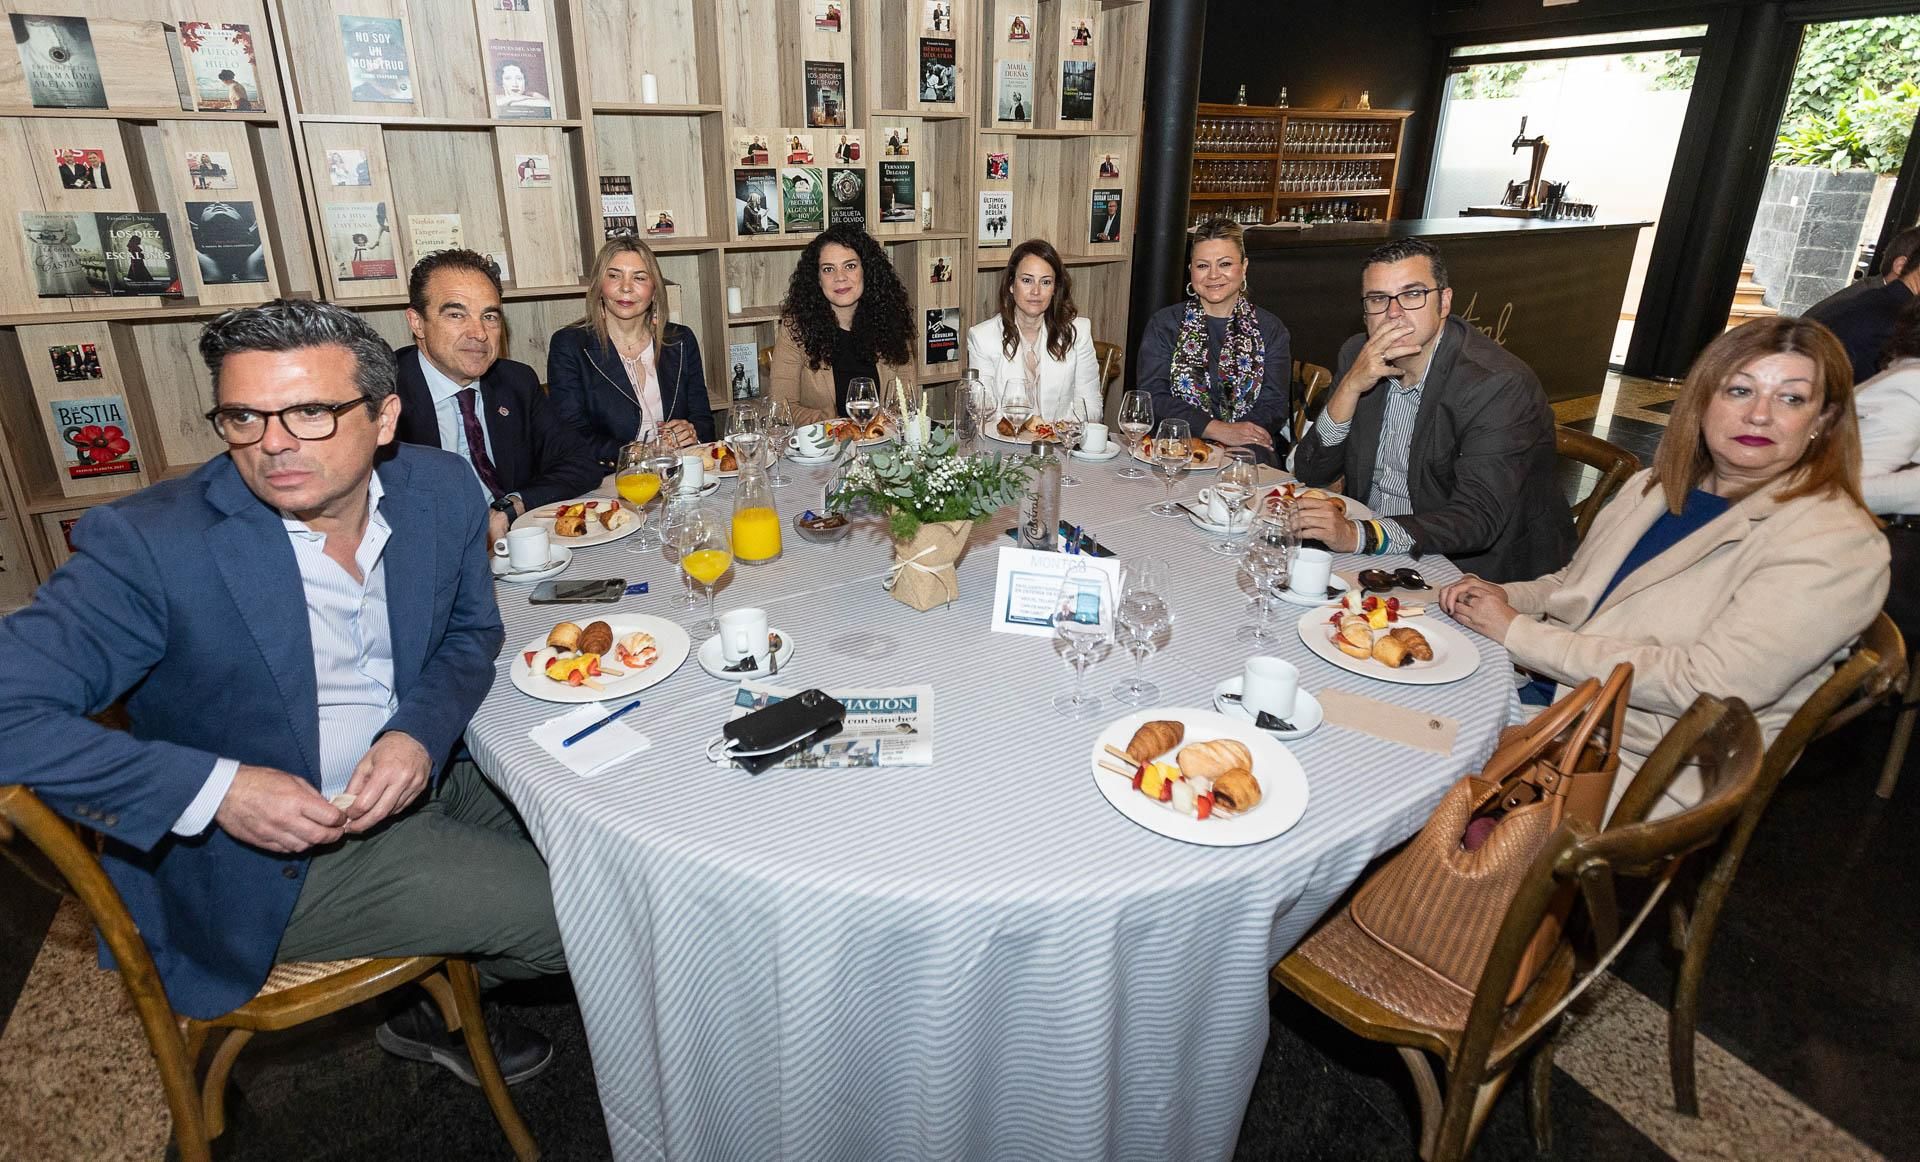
(570,524)
(597,638)
(1236,790)
(1391,651)
(1415,641)
(1005,427)
(1154,739)
(1208,759)
(565,636)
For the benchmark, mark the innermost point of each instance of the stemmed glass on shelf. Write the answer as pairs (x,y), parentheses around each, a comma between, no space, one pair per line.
(1080,622)
(1136,420)
(1268,559)
(705,557)
(1234,486)
(1171,453)
(779,432)
(1140,619)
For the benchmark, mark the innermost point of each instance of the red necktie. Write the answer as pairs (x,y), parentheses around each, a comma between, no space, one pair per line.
(477,442)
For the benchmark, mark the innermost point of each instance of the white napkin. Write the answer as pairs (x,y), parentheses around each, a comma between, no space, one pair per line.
(615,740)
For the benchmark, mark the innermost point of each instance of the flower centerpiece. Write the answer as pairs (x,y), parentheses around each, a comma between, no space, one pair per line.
(932,497)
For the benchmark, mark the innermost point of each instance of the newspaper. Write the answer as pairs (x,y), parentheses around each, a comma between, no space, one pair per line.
(885,727)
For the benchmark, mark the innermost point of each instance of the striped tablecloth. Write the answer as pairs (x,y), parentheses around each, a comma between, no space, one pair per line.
(981,959)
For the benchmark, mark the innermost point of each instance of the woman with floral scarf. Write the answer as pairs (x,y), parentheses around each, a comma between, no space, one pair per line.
(1215,360)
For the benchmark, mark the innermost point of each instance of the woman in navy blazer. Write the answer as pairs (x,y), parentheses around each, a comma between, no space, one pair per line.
(625,364)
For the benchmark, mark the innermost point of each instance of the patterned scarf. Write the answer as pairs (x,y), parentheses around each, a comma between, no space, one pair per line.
(1243,361)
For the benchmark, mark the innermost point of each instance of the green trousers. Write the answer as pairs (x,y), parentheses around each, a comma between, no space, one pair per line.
(454,875)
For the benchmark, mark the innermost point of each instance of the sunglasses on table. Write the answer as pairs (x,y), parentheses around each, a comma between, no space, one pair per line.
(1381,580)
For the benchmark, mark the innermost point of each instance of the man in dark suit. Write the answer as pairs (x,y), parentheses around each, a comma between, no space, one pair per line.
(1862,315)
(1442,433)
(454,387)
(299,640)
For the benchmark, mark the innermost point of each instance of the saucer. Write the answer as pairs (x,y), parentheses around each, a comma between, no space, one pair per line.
(712,661)
(701,493)
(1112,451)
(813,461)
(553,568)
(1307,713)
(1336,581)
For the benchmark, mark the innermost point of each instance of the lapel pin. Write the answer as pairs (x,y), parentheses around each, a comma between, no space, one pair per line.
(505,412)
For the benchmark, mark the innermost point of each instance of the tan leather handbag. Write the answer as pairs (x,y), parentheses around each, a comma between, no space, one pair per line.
(1440,901)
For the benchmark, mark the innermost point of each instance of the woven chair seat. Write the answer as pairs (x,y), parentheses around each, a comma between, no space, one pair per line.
(298,972)
(1383,976)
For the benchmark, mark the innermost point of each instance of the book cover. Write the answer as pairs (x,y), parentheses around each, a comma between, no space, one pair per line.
(348,167)
(432,233)
(826,94)
(512,6)
(1013,91)
(1105,217)
(659,223)
(210,170)
(220,59)
(940,270)
(376,50)
(750,148)
(619,214)
(56,53)
(73,362)
(943,335)
(937,16)
(1020,28)
(999,167)
(517,72)
(226,242)
(534,170)
(63,251)
(95,436)
(360,242)
(936,69)
(82,169)
(847,197)
(799,149)
(848,148)
(1079,34)
(499,258)
(826,15)
(895,141)
(1076,90)
(996,218)
(177,57)
(756,202)
(139,252)
(743,366)
(803,200)
(896,185)
(1106,164)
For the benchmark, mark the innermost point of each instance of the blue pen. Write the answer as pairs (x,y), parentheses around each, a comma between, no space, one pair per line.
(585,731)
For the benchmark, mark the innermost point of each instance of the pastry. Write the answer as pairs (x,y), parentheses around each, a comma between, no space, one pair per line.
(570,523)
(597,638)
(636,651)
(1199,450)
(718,457)
(1354,636)
(565,636)
(1390,651)
(614,517)
(1415,641)
(1236,790)
(1208,759)
(1154,739)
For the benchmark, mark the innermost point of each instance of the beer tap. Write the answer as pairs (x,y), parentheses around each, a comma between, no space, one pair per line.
(1530,196)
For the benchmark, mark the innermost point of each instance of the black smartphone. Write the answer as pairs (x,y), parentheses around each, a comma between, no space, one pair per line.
(770,734)
(578,592)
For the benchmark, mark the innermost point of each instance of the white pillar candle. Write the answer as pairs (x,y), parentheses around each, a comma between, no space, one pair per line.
(649,89)
(733,300)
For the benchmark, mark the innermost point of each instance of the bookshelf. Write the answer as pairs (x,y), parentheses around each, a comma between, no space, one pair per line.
(657,92)
(1265,163)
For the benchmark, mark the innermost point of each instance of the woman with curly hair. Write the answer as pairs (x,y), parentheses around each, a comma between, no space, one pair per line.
(845,316)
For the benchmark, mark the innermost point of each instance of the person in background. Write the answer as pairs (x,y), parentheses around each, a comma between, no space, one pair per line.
(845,316)
(1742,564)
(1441,432)
(1038,337)
(457,393)
(1888,406)
(625,366)
(1862,315)
(1215,360)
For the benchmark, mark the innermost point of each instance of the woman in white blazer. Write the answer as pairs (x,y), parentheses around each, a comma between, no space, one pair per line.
(1038,337)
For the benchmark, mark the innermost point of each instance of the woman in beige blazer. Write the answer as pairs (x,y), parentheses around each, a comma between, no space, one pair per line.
(1742,564)
(845,316)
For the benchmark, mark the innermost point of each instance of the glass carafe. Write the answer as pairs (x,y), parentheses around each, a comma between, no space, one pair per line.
(756,522)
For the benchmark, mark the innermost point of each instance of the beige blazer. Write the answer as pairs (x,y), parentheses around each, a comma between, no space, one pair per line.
(1759,605)
(810,389)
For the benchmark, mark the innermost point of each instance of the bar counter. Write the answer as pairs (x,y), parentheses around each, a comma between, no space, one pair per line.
(1548,291)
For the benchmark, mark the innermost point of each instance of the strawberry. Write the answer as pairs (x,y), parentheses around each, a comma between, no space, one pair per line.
(1166,790)
(1393,603)
(1369,604)
(1202,805)
(575,677)
(528,657)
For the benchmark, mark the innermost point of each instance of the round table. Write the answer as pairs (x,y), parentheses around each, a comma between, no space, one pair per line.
(976,959)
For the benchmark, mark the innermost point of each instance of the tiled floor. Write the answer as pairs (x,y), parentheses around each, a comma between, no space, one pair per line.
(1810,1017)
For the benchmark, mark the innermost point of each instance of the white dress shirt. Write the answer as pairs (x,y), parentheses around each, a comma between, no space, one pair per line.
(352,658)
(446,414)
(1889,409)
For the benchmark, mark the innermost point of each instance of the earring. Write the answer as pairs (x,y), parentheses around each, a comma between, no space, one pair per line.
(1190,290)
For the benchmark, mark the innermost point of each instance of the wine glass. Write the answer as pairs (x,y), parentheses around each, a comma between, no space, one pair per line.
(1069,427)
(1171,456)
(779,431)
(705,557)
(1136,420)
(1016,401)
(1234,486)
(637,483)
(982,400)
(663,462)
(747,432)
(1080,616)
(863,401)
(1267,560)
(1140,619)
(675,522)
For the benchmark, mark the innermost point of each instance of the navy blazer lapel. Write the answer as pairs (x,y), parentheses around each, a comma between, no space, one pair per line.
(410,572)
(262,576)
(506,430)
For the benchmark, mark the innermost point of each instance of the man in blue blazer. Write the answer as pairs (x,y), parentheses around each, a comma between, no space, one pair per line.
(300,640)
(454,387)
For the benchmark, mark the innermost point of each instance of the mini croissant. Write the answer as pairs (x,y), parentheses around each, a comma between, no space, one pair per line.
(1209,759)
(1154,739)
(1236,790)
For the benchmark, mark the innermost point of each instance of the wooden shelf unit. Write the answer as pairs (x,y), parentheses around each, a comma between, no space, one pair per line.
(1294,152)
(718,67)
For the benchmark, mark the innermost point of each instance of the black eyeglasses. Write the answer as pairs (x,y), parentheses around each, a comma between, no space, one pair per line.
(1409,300)
(242,427)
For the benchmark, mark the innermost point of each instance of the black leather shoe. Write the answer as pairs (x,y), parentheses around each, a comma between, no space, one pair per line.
(417,1034)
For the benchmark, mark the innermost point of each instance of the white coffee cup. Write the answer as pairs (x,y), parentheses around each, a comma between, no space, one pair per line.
(812,441)
(1093,439)
(1270,684)
(693,472)
(524,548)
(743,632)
(1312,569)
(1217,510)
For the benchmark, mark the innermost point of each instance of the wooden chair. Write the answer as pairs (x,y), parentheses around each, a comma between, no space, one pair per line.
(1614,463)
(1311,383)
(1107,357)
(1909,703)
(1480,1039)
(1877,669)
(50,851)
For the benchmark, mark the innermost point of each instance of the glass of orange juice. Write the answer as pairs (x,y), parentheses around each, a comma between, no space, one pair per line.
(645,468)
(705,556)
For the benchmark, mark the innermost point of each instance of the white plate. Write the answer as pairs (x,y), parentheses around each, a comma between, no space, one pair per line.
(867,443)
(1307,712)
(1454,655)
(714,662)
(1112,451)
(553,568)
(1193,510)
(1355,510)
(668,638)
(1283,784)
(1216,460)
(1337,582)
(993,433)
(595,535)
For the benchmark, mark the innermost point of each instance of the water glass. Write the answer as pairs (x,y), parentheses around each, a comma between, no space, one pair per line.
(1080,623)
(1136,420)
(1235,485)
(1268,556)
(1172,453)
(1068,427)
(779,432)
(1140,619)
